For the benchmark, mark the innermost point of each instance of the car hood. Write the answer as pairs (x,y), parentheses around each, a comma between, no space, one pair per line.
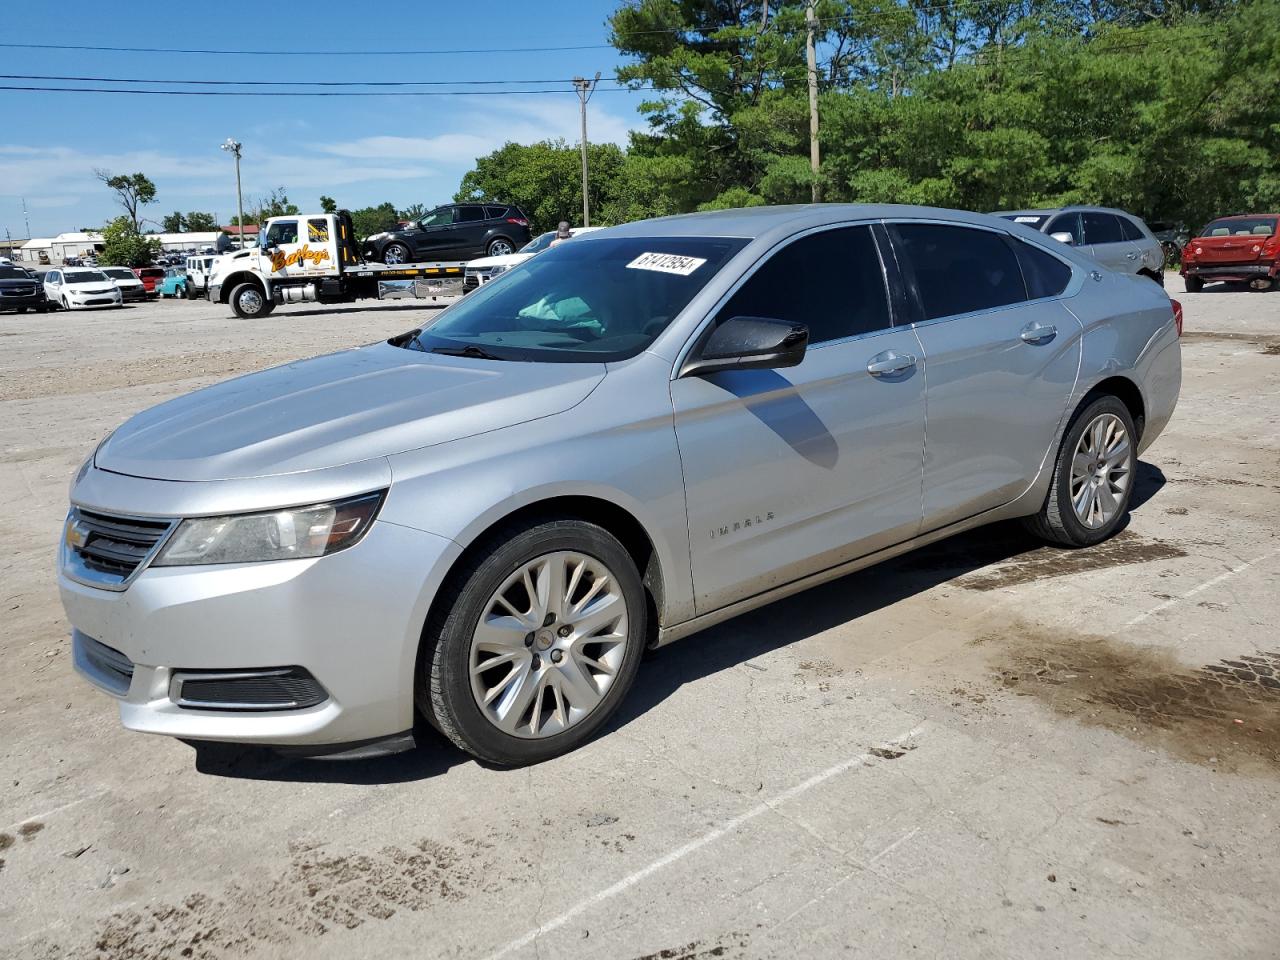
(14,282)
(342,408)
(507,260)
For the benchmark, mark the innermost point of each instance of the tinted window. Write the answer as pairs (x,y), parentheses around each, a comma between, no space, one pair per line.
(470,214)
(11,273)
(495,213)
(1066,223)
(586,302)
(438,218)
(959,269)
(318,230)
(1101,228)
(829,281)
(1128,229)
(1241,227)
(1046,276)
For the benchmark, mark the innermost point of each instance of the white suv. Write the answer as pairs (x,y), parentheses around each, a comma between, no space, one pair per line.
(198,272)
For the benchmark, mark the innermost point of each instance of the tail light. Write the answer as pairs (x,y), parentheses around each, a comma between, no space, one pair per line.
(1177,315)
(1271,246)
(518,221)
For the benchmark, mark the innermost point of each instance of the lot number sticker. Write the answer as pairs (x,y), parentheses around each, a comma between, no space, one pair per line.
(666,263)
(1027,219)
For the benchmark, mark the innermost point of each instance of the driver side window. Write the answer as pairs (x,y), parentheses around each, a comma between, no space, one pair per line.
(282,231)
(439,218)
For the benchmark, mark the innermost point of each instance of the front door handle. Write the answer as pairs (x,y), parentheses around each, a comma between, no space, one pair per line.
(1037,332)
(1132,256)
(889,362)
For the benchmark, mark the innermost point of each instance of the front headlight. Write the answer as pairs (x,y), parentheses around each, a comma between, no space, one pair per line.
(500,268)
(290,534)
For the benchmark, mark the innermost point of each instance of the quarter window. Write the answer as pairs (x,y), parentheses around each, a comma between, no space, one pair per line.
(960,269)
(1046,276)
(1128,229)
(1101,228)
(831,282)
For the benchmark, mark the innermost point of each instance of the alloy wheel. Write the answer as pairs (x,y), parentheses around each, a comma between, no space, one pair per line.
(501,248)
(395,253)
(548,645)
(1100,471)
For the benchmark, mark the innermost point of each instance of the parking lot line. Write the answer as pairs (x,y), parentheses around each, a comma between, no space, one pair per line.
(1207,585)
(711,836)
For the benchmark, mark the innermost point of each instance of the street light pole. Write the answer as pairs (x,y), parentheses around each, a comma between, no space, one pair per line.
(233,147)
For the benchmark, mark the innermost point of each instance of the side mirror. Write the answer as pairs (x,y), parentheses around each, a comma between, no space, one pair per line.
(1064,237)
(749,343)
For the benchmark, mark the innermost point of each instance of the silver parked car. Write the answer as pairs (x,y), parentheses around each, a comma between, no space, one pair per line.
(639,434)
(1114,238)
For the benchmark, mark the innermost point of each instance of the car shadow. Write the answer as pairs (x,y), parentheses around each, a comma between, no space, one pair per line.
(718,648)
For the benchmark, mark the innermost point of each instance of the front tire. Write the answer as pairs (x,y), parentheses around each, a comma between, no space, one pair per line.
(499,247)
(1193,284)
(249,301)
(535,644)
(1092,478)
(396,253)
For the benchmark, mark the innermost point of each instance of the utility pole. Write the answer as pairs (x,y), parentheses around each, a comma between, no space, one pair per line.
(585,88)
(811,21)
(233,147)
(24,217)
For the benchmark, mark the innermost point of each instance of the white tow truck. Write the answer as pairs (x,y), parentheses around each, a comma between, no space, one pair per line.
(315,257)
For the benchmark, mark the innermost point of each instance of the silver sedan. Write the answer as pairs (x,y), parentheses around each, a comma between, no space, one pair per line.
(487,520)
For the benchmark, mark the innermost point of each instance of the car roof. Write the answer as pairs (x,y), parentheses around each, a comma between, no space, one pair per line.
(1245,216)
(756,222)
(1071,208)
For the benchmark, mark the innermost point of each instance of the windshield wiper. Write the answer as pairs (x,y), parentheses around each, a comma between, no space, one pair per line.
(470,350)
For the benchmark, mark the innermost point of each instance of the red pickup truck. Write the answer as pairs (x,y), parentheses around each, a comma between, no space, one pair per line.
(1243,249)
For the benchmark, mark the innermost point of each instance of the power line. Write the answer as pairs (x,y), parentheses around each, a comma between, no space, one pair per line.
(299,53)
(296,93)
(281,83)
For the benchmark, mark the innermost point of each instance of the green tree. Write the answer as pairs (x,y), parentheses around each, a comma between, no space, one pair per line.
(328,204)
(370,220)
(173,223)
(124,246)
(545,180)
(415,211)
(200,222)
(132,190)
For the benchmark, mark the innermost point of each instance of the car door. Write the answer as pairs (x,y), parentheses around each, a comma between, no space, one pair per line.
(1105,240)
(1150,252)
(434,235)
(791,471)
(284,243)
(470,227)
(53,284)
(1001,363)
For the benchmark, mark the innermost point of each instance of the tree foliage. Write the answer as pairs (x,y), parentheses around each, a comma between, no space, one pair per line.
(133,191)
(124,246)
(370,220)
(194,221)
(1166,108)
(259,209)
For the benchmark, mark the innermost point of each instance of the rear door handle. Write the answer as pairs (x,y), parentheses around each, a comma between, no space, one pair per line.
(1037,332)
(890,362)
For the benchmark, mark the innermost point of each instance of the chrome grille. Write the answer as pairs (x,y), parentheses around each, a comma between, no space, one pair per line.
(105,550)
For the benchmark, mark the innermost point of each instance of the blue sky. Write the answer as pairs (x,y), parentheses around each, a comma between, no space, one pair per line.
(358,150)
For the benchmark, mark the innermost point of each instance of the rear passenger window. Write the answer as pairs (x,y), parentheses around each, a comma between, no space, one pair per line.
(1128,229)
(831,282)
(960,269)
(470,214)
(1046,276)
(1101,228)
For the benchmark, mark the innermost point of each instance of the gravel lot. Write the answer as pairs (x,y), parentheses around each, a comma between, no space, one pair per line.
(985,748)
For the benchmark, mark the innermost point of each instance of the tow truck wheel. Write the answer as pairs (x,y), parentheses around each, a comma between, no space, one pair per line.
(395,253)
(248,301)
(1194,284)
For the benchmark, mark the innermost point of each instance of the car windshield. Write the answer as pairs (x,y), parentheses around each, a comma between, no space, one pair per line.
(1033,220)
(12,273)
(1241,227)
(580,302)
(120,273)
(84,276)
(539,243)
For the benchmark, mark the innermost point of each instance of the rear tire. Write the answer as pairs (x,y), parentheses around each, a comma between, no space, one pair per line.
(1093,477)
(1193,284)
(499,247)
(548,681)
(1261,284)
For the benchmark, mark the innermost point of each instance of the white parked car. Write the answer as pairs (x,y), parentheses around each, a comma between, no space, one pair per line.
(131,288)
(484,269)
(75,287)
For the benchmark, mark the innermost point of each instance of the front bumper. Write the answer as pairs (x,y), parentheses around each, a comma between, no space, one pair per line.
(35,301)
(351,620)
(134,293)
(102,300)
(214,292)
